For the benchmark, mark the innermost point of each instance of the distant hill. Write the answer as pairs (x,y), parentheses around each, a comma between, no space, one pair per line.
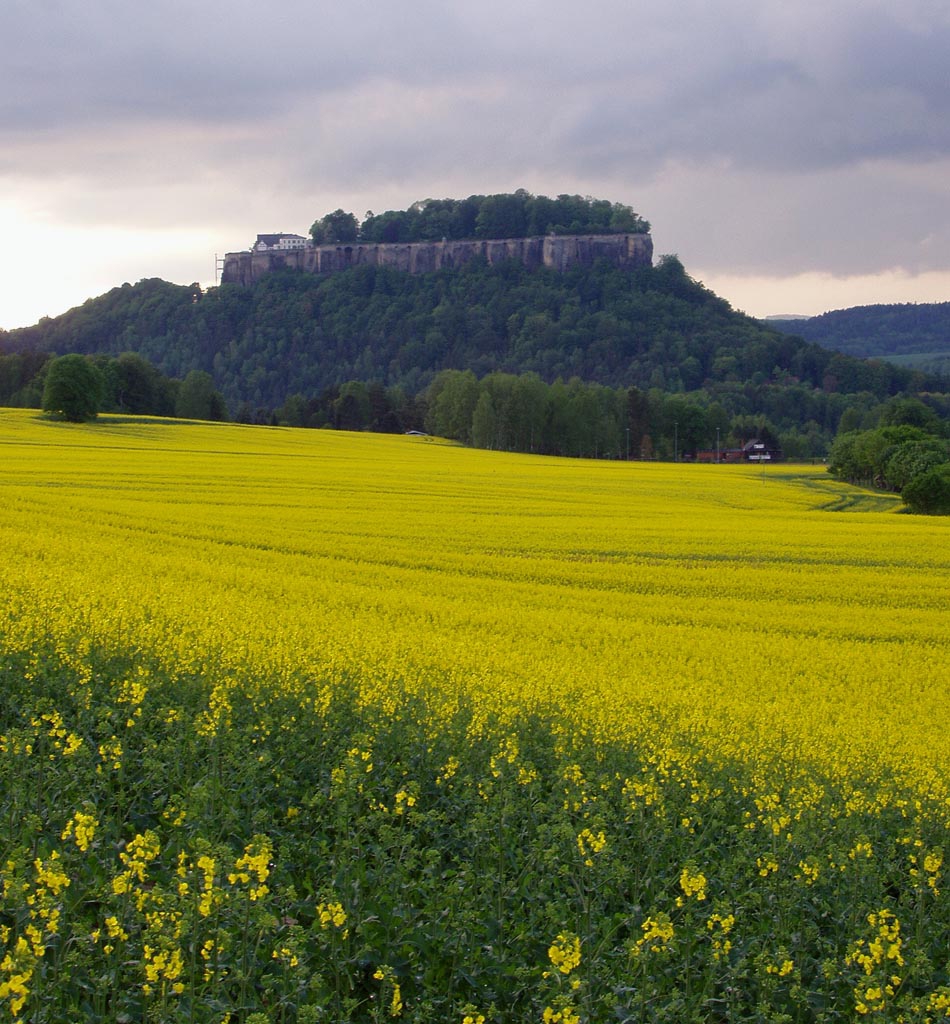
(909,334)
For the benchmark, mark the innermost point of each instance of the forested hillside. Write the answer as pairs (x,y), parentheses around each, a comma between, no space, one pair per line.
(294,332)
(371,347)
(910,334)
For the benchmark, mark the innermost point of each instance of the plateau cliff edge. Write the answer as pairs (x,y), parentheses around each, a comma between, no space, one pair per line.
(560,252)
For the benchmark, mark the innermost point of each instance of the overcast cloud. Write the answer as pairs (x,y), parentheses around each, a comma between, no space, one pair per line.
(795,156)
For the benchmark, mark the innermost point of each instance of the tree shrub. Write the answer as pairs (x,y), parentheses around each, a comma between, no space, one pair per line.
(929,492)
(73,389)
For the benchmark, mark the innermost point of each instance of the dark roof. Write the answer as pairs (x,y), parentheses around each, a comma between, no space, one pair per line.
(274,239)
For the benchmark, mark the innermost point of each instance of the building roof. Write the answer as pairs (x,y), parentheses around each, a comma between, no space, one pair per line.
(275,238)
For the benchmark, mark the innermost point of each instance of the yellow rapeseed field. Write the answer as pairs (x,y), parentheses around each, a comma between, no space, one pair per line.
(721,601)
(303,726)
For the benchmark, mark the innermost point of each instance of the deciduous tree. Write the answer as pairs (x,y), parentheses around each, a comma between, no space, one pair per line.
(73,389)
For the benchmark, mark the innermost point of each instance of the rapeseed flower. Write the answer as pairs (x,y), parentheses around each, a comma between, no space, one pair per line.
(565,952)
(81,827)
(693,883)
(657,935)
(255,861)
(590,843)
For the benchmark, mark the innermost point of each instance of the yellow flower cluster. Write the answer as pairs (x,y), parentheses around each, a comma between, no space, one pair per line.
(931,863)
(809,871)
(387,975)
(657,935)
(884,947)
(565,952)
(939,1002)
(720,926)
(81,828)
(139,853)
(404,800)
(879,956)
(255,862)
(206,900)
(332,915)
(162,966)
(693,884)
(565,1013)
(16,973)
(590,843)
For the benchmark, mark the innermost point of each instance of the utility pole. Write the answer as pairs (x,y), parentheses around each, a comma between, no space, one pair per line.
(676,441)
(628,444)
(717,444)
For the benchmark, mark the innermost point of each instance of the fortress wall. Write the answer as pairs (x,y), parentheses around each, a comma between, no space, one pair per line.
(559,252)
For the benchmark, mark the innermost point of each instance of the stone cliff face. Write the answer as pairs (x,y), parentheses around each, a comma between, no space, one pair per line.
(559,252)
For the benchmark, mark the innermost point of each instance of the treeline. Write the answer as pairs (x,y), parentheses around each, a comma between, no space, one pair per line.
(574,418)
(908,453)
(124,384)
(524,413)
(505,215)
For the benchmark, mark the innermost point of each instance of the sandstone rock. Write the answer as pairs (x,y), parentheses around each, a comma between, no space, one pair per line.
(559,252)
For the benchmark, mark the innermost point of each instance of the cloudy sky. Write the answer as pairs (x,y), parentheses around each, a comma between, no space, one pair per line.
(795,155)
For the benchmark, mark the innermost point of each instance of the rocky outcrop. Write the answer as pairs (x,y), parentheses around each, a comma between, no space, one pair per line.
(559,252)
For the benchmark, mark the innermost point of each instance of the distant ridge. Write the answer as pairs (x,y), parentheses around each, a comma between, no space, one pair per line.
(911,334)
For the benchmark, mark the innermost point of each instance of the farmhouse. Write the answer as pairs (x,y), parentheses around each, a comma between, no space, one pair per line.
(752,451)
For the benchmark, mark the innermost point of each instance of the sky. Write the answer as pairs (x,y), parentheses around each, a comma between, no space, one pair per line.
(794,155)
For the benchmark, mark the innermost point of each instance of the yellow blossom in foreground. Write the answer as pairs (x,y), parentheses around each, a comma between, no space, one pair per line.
(590,843)
(255,861)
(50,874)
(720,926)
(332,915)
(809,871)
(81,828)
(16,973)
(657,935)
(564,1014)
(565,952)
(693,884)
(879,957)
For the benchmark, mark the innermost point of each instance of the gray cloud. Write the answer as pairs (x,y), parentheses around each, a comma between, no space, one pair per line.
(810,135)
(815,85)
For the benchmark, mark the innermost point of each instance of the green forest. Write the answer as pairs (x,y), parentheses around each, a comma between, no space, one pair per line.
(594,361)
(910,334)
(507,215)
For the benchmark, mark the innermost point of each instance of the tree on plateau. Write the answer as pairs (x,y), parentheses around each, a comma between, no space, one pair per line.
(73,389)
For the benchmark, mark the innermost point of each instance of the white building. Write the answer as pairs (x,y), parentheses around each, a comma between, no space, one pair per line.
(267,243)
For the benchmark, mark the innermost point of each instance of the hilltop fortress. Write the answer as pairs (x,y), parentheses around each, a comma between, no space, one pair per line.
(560,252)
